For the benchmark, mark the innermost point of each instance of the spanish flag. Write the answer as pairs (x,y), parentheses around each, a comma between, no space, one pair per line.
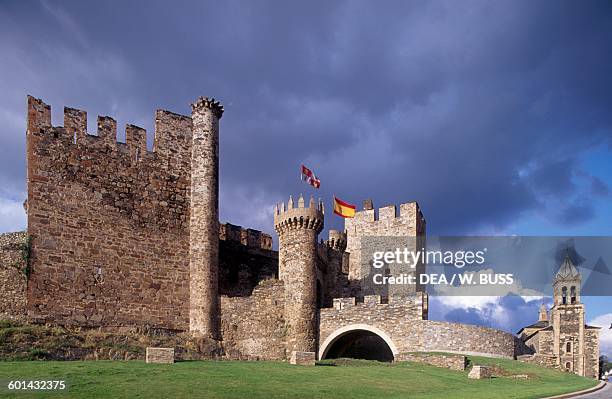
(343,209)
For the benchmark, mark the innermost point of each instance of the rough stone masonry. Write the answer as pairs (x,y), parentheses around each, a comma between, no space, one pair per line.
(121,236)
(204,220)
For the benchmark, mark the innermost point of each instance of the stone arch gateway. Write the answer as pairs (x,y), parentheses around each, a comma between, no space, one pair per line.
(333,338)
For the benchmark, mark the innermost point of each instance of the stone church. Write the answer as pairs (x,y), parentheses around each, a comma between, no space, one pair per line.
(562,338)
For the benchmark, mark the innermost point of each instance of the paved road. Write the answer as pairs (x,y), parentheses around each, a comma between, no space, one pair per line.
(605,393)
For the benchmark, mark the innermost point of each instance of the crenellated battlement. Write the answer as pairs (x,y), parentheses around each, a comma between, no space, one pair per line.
(337,240)
(248,237)
(408,211)
(306,217)
(146,188)
(171,143)
(419,299)
(210,103)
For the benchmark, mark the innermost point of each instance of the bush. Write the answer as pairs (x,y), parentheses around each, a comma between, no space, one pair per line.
(8,323)
(38,354)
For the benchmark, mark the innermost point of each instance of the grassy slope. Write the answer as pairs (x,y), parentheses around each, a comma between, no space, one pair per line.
(232,379)
(39,342)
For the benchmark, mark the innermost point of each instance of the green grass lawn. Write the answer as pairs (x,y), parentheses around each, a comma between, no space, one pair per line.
(234,379)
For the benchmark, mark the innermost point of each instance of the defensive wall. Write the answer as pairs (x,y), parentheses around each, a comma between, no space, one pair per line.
(109,224)
(108,221)
(253,327)
(246,258)
(401,322)
(13,275)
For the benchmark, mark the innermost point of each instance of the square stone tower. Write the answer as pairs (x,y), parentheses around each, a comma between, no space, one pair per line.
(372,231)
(575,345)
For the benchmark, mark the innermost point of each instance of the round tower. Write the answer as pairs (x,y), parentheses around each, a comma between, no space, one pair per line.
(204,318)
(298,228)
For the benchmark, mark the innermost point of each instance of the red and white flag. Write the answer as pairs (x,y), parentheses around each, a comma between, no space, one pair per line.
(309,177)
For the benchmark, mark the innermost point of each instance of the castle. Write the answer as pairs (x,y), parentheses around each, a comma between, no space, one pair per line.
(119,236)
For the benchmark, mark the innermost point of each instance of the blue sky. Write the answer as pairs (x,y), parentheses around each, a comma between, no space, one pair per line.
(494,116)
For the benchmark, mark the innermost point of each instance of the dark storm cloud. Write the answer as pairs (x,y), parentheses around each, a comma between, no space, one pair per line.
(480,111)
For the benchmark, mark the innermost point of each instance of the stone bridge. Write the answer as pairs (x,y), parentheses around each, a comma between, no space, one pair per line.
(389,331)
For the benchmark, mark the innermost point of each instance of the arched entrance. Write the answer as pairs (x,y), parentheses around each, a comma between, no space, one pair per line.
(358,341)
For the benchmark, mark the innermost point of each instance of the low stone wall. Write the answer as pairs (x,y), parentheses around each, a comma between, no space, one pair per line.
(539,359)
(400,324)
(13,282)
(468,339)
(453,362)
(253,327)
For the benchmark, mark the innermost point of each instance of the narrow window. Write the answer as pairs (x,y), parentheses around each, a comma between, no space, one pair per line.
(564,295)
(573,294)
(568,347)
(568,366)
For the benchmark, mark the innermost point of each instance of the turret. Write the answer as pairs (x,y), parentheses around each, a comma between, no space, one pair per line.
(204,320)
(298,228)
(543,316)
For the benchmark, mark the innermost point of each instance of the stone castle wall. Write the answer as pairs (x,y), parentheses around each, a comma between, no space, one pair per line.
(395,318)
(253,327)
(12,276)
(332,272)
(402,321)
(109,224)
(242,267)
(109,221)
